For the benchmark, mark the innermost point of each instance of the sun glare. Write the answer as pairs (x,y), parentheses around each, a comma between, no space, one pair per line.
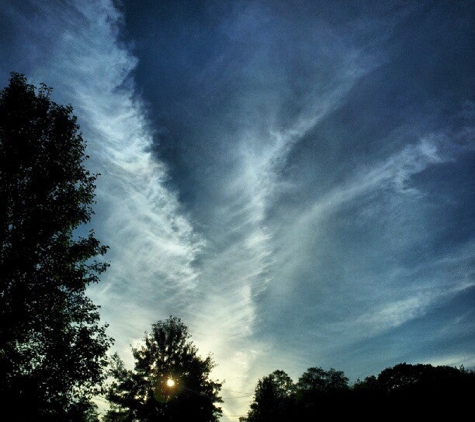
(170,382)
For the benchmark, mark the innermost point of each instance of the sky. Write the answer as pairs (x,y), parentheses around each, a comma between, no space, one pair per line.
(293,179)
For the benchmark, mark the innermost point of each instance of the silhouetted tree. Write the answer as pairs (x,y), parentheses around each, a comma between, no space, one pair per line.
(318,380)
(319,391)
(427,391)
(403,391)
(169,382)
(52,348)
(273,399)
(421,391)
(364,395)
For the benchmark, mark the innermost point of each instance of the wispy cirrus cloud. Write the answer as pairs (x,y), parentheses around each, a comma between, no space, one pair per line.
(153,246)
(291,180)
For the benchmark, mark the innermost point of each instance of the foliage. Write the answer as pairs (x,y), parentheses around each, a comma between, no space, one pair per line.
(425,390)
(52,348)
(319,390)
(143,393)
(273,398)
(319,380)
(415,391)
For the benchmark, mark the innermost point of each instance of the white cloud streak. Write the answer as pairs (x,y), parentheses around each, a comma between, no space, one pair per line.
(384,298)
(241,270)
(153,245)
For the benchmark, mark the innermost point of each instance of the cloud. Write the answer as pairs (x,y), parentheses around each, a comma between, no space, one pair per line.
(153,246)
(291,181)
(365,242)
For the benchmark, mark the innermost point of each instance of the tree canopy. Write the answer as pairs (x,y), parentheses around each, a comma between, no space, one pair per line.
(170,381)
(274,398)
(52,346)
(416,391)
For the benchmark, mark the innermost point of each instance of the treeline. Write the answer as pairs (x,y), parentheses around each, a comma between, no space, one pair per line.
(405,391)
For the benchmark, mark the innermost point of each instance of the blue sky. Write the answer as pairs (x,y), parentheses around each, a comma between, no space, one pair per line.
(293,179)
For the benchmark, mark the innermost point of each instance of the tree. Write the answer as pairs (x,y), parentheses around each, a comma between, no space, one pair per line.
(169,382)
(364,394)
(273,399)
(426,390)
(403,391)
(320,391)
(52,346)
(317,379)
(422,391)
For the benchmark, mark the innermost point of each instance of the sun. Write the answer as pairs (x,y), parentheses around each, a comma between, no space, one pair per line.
(170,382)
